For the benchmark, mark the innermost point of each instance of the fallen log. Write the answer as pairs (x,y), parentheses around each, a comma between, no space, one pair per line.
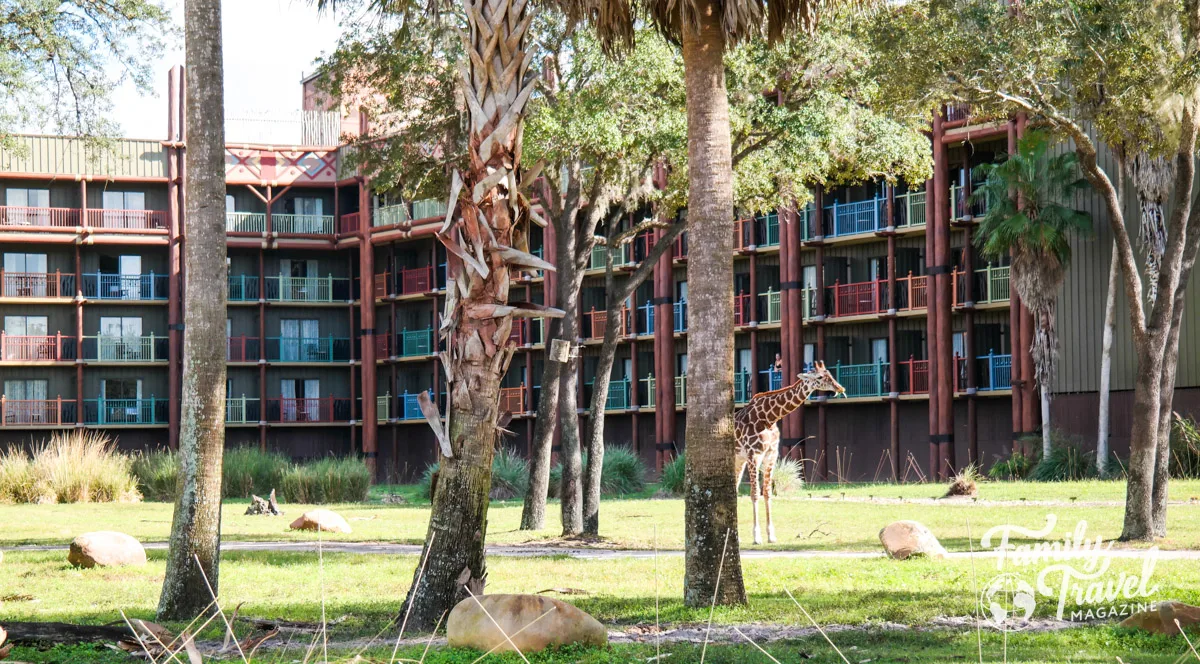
(32,633)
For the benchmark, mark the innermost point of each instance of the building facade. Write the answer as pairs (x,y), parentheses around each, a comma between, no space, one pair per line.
(334,299)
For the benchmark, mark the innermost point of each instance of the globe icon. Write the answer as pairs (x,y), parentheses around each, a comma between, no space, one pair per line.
(1007,599)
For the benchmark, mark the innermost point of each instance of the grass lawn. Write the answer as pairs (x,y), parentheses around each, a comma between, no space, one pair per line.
(815,519)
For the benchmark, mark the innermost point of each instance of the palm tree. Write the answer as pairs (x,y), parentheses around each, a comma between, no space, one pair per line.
(195,543)
(1034,227)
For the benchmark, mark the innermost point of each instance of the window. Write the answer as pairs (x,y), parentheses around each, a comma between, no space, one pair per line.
(875,269)
(960,344)
(121,209)
(879,350)
(300,340)
(300,400)
(26,326)
(121,340)
(230,205)
(25,275)
(27,403)
(23,199)
(309,215)
(683,364)
(121,277)
(743,361)
(810,276)
(121,402)
(25,390)
(810,355)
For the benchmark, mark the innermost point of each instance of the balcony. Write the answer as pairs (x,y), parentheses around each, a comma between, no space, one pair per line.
(133,349)
(37,412)
(383,408)
(619,395)
(308,349)
(649,381)
(54,348)
(246,222)
(624,256)
(862,380)
(991,284)
(871,297)
(681,246)
(742,390)
(125,411)
(426,208)
(993,371)
(527,332)
(645,319)
(681,390)
(964,209)
(308,289)
(868,216)
(913,376)
(772,378)
(302,224)
(242,410)
(755,233)
(512,399)
(598,321)
(39,217)
(36,284)
(243,288)
(411,407)
(307,411)
(416,343)
(125,287)
(350,223)
(910,209)
(140,220)
(415,280)
(742,303)
(242,349)
(772,309)
(681,321)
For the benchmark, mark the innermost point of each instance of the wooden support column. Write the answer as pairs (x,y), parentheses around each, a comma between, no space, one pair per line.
(786,330)
(1031,411)
(366,281)
(174,255)
(969,349)
(79,414)
(822,461)
(893,360)
(942,301)
(931,329)
(262,349)
(362,340)
(664,338)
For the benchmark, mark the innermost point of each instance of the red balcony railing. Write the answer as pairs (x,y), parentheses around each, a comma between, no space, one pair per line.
(868,297)
(743,304)
(520,332)
(599,320)
(911,293)
(37,411)
(36,284)
(383,344)
(39,216)
(324,409)
(128,219)
(914,376)
(383,284)
(415,280)
(512,399)
(17,348)
(349,223)
(681,246)
(743,233)
(242,349)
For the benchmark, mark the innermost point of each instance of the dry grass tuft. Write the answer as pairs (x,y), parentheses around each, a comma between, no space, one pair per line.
(72,467)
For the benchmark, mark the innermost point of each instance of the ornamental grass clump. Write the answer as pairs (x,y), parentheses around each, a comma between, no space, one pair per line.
(74,467)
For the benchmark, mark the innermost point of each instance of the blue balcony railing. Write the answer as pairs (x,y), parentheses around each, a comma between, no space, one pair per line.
(410,407)
(128,287)
(681,316)
(773,379)
(125,411)
(645,320)
(994,372)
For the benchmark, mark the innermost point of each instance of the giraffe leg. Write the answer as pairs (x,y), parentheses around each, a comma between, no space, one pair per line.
(768,471)
(755,461)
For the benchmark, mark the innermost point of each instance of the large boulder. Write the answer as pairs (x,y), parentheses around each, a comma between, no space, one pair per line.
(1162,619)
(323,520)
(105,549)
(469,627)
(904,539)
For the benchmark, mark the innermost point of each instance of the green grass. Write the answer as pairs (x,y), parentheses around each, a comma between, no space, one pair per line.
(812,519)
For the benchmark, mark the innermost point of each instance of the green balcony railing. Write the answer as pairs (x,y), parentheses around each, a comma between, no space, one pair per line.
(416,343)
(770,229)
(649,381)
(302,224)
(241,410)
(861,380)
(681,390)
(383,407)
(771,307)
(308,289)
(741,387)
(910,209)
(599,256)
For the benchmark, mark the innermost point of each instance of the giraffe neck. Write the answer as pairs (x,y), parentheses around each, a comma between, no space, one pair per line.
(787,400)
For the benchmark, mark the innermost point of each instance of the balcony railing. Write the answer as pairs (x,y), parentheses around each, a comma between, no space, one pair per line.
(854,218)
(681,320)
(772,309)
(383,408)
(808,302)
(42,217)
(957,112)
(349,223)
(415,280)
(862,380)
(308,289)
(37,412)
(991,284)
(963,208)
(910,209)
(772,378)
(624,256)
(512,399)
(645,322)
(871,297)
(242,410)
(994,372)
(526,332)
(681,390)
(102,348)
(36,284)
(598,321)
(128,287)
(742,303)
(245,222)
(243,288)
(913,376)
(125,411)
(308,349)
(411,407)
(416,343)
(302,224)
(53,348)
(649,401)
(299,410)
(619,394)
(242,349)
(143,220)
(757,232)
(742,390)
(681,245)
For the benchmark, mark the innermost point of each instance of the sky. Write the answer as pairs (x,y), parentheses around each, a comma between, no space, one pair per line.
(269,45)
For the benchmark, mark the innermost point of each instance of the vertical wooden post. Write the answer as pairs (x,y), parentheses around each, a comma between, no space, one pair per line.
(945,329)
(79,337)
(366,280)
(262,348)
(893,360)
(174,251)
(822,466)
(932,309)
(664,335)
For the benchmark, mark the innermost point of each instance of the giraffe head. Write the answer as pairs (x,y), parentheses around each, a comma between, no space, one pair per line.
(822,381)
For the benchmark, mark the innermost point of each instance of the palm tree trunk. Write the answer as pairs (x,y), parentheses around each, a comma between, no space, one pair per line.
(193,557)
(1047,444)
(712,567)
(1106,343)
(491,213)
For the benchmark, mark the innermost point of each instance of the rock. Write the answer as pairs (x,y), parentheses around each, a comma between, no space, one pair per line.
(904,539)
(105,549)
(259,506)
(1162,620)
(469,627)
(325,520)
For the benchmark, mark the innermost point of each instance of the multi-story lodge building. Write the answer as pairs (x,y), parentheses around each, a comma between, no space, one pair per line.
(334,296)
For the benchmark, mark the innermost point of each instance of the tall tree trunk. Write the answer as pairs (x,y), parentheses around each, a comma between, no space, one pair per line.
(1143,444)
(570,488)
(712,563)
(1047,443)
(488,215)
(1106,343)
(1162,459)
(595,441)
(193,557)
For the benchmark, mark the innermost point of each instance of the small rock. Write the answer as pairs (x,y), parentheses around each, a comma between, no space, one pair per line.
(1162,620)
(469,627)
(904,539)
(267,507)
(324,520)
(105,549)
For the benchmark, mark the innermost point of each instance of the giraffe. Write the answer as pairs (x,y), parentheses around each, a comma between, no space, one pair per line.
(757,431)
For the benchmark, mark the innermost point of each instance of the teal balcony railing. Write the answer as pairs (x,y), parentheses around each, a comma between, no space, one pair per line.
(243,288)
(125,411)
(105,348)
(128,287)
(308,289)
(416,343)
(772,379)
(862,380)
(308,349)
(741,387)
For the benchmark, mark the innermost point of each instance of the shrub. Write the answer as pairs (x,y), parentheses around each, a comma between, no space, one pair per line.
(966,482)
(622,473)
(788,476)
(1067,461)
(672,476)
(510,476)
(74,467)
(1015,467)
(247,470)
(332,480)
(1185,448)
(156,472)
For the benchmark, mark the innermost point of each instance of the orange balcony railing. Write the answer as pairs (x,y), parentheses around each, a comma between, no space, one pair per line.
(599,320)
(914,376)
(128,219)
(25,348)
(37,412)
(36,284)
(512,399)
(39,216)
(743,304)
